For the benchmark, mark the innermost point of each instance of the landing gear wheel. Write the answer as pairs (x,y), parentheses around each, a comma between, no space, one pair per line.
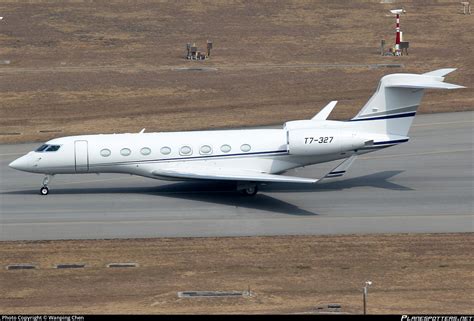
(44,190)
(250,190)
(46,180)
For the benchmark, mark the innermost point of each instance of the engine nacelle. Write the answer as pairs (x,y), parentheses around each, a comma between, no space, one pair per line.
(307,142)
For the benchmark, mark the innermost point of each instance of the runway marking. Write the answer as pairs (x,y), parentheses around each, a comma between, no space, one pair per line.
(72,183)
(420,154)
(204,220)
(13,154)
(132,187)
(444,123)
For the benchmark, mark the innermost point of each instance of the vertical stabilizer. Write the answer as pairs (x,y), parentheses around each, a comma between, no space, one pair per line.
(392,108)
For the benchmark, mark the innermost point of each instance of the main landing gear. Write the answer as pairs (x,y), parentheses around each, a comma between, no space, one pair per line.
(46,180)
(248,189)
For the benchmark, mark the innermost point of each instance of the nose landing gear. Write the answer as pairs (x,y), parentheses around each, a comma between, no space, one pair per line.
(44,190)
(46,180)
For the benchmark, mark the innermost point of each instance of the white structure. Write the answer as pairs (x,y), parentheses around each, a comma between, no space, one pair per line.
(466,7)
(249,157)
(366,293)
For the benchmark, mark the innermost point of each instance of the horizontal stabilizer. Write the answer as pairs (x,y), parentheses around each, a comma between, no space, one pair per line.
(440,72)
(324,113)
(420,83)
(341,169)
(225,174)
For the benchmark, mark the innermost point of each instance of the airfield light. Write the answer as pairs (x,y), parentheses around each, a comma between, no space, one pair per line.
(366,287)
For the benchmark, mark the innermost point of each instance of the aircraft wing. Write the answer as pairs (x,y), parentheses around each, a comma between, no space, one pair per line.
(187,171)
(225,174)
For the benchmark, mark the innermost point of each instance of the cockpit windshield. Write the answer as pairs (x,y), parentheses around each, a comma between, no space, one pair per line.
(53,148)
(48,148)
(41,148)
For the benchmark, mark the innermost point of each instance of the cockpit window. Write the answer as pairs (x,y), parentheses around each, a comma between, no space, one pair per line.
(41,148)
(53,148)
(48,148)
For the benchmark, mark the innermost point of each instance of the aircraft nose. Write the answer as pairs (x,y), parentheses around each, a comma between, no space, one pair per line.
(20,163)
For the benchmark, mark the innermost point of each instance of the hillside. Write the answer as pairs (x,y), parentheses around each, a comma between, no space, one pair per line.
(82,67)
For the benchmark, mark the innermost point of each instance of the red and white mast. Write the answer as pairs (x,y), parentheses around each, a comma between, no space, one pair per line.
(397,34)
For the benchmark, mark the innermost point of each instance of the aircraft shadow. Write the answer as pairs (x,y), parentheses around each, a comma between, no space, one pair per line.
(224,192)
(377,180)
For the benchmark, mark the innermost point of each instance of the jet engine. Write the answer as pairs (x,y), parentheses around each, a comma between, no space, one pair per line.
(308,142)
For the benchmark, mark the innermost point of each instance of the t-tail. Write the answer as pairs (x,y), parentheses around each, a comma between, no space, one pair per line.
(393,106)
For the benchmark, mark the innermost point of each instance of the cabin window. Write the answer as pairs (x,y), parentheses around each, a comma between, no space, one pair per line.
(245,148)
(206,149)
(125,152)
(165,150)
(185,150)
(105,152)
(41,148)
(225,148)
(52,148)
(145,151)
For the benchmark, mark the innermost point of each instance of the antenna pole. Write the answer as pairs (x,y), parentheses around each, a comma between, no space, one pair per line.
(397,36)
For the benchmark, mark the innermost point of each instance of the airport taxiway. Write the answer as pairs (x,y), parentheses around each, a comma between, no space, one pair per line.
(425,185)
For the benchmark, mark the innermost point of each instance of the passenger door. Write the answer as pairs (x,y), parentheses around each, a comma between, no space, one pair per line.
(81,156)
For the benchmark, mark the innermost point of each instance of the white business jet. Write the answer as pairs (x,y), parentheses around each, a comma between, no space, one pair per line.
(249,157)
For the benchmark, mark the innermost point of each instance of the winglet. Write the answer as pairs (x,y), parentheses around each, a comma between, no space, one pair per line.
(341,168)
(324,113)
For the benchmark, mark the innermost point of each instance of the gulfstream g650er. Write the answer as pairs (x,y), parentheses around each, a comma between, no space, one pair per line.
(248,157)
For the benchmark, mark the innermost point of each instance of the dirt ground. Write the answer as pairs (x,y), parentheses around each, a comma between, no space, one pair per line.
(420,273)
(101,67)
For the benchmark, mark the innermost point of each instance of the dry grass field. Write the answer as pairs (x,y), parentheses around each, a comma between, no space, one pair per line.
(422,273)
(101,67)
